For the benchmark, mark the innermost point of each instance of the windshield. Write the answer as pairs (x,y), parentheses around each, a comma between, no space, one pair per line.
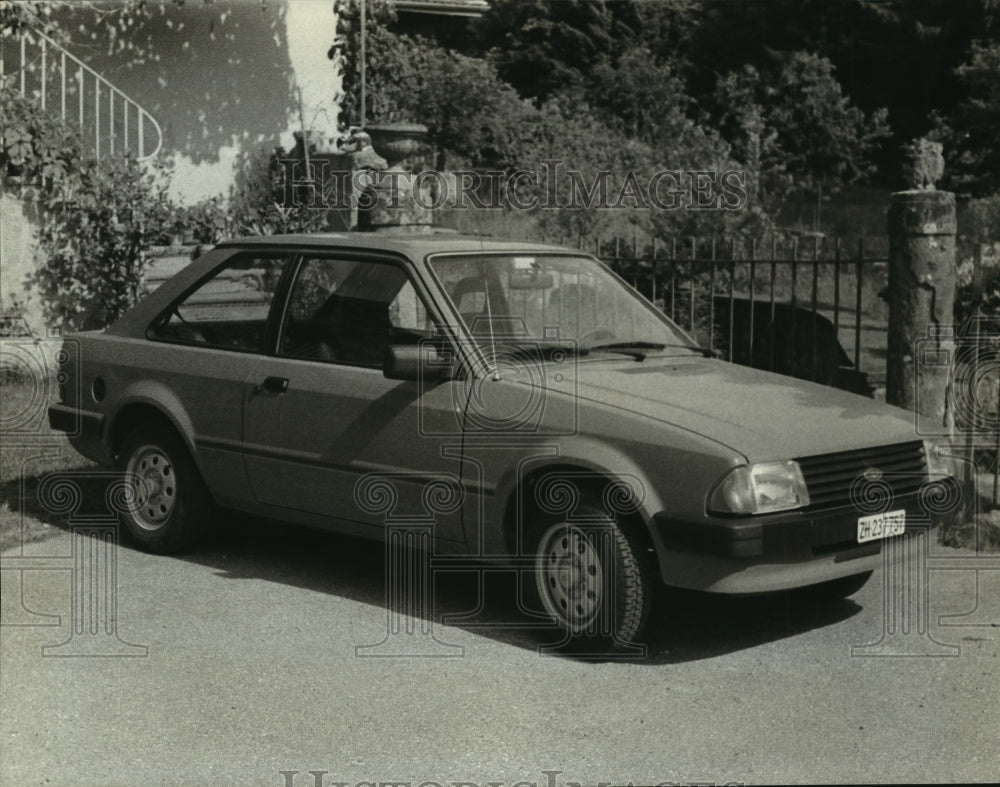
(556,300)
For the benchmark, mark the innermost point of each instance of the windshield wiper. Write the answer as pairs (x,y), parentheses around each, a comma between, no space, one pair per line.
(634,348)
(543,348)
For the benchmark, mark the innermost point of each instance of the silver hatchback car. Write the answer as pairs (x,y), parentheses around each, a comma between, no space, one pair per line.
(520,398)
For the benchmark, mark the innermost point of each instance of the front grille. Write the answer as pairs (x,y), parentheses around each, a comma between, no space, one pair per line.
(830,478)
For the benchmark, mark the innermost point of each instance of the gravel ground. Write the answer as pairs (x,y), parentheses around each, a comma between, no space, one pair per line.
(248,668)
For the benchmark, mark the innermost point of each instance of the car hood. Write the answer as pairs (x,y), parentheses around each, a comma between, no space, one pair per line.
(758,414)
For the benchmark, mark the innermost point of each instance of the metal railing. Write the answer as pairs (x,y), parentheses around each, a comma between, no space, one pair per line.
(808,306)
(108,121)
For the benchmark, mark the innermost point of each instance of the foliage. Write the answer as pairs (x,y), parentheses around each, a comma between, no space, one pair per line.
(979,220)
(119,26)
(257,204)
(974,150)
(613,126)
(905,55)
(207,221)
(972,298)
(156,51)
(345,51)
(36,147)
(42,15)
(644,100)
(897,54)
(754,141)
(93,248)
(96,219)
(977,291)
(546,47)
(472,116)
(792,125)
(617,102)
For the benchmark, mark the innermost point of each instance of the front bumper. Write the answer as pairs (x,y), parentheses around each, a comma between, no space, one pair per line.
(773,552)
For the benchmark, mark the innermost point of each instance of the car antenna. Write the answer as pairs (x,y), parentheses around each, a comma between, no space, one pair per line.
(489,319)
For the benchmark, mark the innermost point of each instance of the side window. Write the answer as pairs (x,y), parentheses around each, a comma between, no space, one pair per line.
(230,309)
(349,311)
(408,313)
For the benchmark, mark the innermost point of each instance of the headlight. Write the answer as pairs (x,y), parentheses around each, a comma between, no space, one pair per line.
(760,489)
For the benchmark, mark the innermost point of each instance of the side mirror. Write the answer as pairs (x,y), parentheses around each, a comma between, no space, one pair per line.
(415,362)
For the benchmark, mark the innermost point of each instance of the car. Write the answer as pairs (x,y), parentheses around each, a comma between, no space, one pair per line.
(786,339)
(519,400)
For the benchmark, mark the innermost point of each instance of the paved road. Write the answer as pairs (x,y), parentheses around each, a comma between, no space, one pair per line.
(250,669)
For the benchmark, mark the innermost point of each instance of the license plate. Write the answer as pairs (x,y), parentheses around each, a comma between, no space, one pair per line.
(876,526)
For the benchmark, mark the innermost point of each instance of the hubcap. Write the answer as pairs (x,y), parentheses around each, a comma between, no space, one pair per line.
(155,487)
(569,576)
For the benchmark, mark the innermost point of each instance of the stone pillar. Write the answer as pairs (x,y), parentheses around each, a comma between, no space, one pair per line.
(921,227)
(397,206)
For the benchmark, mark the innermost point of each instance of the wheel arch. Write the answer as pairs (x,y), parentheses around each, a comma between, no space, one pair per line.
(142,408)
(520,503)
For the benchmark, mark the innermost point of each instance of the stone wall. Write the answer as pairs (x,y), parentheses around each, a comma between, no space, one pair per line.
(18,242)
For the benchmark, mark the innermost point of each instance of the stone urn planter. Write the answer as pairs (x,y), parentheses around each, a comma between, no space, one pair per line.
(397,141)
(394,204)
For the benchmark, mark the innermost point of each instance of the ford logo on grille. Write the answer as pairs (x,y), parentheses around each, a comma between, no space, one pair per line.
(872,474)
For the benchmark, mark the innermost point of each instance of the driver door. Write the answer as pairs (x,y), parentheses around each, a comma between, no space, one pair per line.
(324,431)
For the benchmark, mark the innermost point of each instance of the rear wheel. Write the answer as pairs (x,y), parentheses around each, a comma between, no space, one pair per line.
(593,579)
(170,505)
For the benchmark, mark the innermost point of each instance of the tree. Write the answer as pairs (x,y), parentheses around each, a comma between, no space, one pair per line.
(743,120)
(473,118)
(545,46)
(897,54)
(973,150)
(793,126)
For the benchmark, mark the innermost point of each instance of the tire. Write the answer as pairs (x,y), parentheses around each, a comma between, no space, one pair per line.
(593,579)
(837,589)
(171,509)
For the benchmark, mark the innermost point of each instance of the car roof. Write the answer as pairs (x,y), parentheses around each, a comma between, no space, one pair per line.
(415,245)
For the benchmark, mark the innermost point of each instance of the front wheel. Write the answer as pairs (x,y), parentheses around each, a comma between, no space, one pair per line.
(170,506)
(593,579)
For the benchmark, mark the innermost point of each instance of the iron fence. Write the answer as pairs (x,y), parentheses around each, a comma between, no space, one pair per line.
(809,306)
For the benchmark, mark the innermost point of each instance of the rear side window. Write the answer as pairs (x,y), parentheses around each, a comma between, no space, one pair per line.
(229,310)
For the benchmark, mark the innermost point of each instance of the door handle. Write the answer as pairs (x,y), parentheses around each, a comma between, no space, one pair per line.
(272,385)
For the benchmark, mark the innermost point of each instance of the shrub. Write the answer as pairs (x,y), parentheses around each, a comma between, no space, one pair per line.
(97,218)
(93,248)
(207,221)
(257,199)
(38,152)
